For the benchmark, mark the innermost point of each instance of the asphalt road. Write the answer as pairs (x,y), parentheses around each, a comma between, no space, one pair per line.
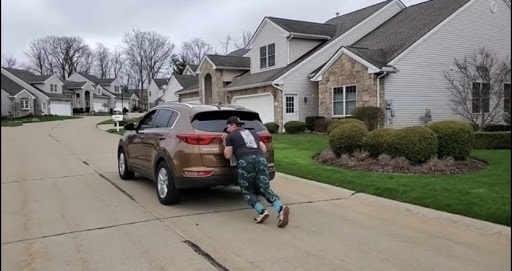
(64,207)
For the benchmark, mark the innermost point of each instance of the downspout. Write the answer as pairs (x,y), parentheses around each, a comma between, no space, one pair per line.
(378,87)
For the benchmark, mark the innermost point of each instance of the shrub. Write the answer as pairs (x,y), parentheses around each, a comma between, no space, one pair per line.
(311,120)
(375,141)
(492,140)
(326,156)
(321,125)
(294,127)
(400,164)
(372,116)
(455,139)
(506,118)
(272,127)
(342,122)
(347,138)
(496,128)
(418,144)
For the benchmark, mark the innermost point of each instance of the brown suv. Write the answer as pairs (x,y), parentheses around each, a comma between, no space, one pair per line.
(179,146)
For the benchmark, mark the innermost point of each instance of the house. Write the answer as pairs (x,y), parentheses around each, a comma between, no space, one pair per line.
(137,98)
(24,92)
(179,83)
(270,75)
(102,94)
(156,89)
(399,66)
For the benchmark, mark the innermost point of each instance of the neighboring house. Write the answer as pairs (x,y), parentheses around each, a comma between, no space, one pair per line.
(179,83)
(270,76)
(96,92)
(50,97)
(16,100)
(156,89)
(136,100)
(399,66)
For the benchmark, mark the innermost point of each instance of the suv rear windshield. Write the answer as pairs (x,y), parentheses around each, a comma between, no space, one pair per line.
(215,121)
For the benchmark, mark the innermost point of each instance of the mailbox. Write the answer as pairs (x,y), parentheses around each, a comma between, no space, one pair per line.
(118,115)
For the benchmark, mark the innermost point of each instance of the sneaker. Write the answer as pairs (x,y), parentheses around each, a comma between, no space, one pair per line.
(283,217)
(261,217)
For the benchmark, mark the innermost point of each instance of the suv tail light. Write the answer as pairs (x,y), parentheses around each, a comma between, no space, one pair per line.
(204,173)
(266,138)
(198,139)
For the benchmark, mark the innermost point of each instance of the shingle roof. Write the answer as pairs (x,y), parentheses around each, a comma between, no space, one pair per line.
(161,81)
(193,87)
(10,86)
(97,80)
(230,61)
(73,85)
(303,27)
(193,67)
(27,76)
(187,80)
(345,22)
(239,52)
(398,33)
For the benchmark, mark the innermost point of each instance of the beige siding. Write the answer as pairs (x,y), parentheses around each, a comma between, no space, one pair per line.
(46,87)
(172,87)
(420,84)
(228,75)
(269,34)
(152,93)
(298,47)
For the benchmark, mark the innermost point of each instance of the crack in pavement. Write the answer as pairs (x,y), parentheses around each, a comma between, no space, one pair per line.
(50,178)
(77,231)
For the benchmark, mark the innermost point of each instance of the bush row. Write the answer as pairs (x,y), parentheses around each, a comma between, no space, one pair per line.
(418,144)
(492,140)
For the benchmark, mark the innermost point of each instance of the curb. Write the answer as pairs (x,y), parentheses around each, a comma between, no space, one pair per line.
(471,223)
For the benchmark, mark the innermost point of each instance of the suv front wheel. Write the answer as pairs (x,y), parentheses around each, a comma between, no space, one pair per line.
(122,166)
(165,189)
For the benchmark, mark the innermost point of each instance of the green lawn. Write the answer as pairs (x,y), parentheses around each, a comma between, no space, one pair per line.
(483,195)
(20,121)
(110,121)
(114,131)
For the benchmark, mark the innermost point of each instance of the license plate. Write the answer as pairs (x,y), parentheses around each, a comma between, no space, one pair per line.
(233,162)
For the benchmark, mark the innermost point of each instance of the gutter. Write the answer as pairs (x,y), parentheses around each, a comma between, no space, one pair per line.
(262,84)
(386,71)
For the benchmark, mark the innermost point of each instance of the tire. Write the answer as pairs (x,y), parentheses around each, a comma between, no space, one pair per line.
(165,189)
(122,166)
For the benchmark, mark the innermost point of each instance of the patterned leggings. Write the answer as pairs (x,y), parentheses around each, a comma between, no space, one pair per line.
(253,179)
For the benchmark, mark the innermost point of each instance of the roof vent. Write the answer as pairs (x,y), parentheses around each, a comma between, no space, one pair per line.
(494,7)
(337,14)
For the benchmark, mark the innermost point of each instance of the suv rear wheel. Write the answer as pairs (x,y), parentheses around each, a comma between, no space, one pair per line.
(165,189)
(122,166)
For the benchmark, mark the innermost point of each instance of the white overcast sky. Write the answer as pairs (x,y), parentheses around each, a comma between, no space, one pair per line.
(106,21)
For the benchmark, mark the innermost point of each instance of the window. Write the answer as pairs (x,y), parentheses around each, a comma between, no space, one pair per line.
(51,87)
(268,56)
(149,93)
(99,91)
(55,88)
(44,106)
(147,121)
(24,104)
(290,104)
(344,100)
(215,121)
(506,102)
(163,118)
(481,97)
(116,88)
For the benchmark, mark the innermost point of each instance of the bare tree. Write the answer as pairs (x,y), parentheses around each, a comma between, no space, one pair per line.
(243,40)
(117,62)
(193,51)
(87,63)
(134,50)
(157,54)
(476,86)
(39,56)
(9,62)
(65,54)
(226,44)
(103,61)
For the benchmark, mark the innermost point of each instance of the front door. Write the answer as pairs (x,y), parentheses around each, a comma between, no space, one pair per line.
(291,107)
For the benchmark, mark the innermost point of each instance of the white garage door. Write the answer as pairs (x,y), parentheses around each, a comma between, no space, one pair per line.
(192,101)
(261,103)
(123,104)
(98,106)
(60,108)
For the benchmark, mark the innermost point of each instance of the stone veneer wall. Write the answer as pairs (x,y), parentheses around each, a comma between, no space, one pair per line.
(278,100)
(347,71)
(217,84)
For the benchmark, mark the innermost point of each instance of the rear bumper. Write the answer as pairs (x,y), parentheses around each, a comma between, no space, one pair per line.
(212,181)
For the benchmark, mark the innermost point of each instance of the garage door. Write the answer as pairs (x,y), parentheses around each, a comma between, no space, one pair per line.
(192,101)
(123,104)
(261,103)
(60,108)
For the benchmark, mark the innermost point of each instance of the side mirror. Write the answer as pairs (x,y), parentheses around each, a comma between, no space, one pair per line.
(129,126)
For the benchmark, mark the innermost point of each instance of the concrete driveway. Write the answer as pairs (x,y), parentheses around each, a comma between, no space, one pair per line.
(65,208)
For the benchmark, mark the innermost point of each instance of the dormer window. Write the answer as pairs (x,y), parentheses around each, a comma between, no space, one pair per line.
(268,56)
(53,88)
(116,88)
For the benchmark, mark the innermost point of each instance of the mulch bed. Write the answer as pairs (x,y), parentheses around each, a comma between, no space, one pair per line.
(387,164)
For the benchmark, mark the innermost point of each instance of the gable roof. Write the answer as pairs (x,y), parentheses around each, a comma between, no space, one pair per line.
(10,86)
(161,82)
(347,21)
(239,52)
(96,80)
(187,80)
(255,79)
(191,89)
(230,61)
(397,34)
(193,67)
(303,27)
(27,76)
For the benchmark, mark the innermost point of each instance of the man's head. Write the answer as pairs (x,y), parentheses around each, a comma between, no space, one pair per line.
(232,123)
